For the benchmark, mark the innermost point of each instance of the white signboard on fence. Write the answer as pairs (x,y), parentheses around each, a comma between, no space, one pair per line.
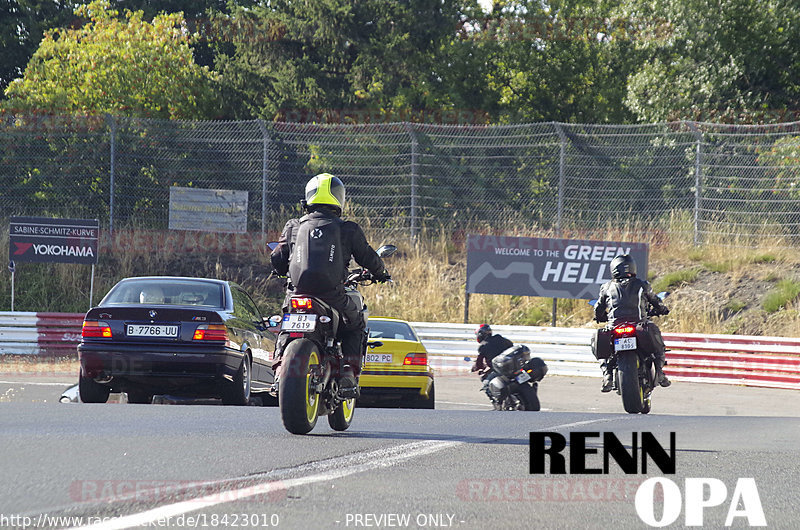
(207,210)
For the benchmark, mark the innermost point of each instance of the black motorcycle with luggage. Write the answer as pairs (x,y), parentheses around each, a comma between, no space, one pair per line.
(629,347)
(515,379)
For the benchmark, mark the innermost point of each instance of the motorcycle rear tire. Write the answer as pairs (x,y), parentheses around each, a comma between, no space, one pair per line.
(297,397)
(529,397)
(341,418)
(630,388)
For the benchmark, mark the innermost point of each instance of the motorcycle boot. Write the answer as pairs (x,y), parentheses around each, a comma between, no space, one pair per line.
(348,383)
(608,377)
(661,378)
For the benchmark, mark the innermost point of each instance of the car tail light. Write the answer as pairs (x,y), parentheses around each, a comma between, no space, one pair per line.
(416,359)
(211,332)
(94,329)
(624,329)
(301,303)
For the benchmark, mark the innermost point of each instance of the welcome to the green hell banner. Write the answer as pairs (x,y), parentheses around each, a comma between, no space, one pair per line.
(554,268)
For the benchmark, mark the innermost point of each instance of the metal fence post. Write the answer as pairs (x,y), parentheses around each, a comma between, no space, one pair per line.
(561,161)
(264,170)
(698,176)
(414,162)
(112,123)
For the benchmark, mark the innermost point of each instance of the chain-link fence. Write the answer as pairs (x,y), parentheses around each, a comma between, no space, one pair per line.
(717,180)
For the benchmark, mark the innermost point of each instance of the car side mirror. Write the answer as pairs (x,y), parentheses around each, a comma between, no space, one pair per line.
(273,322)
(386,250)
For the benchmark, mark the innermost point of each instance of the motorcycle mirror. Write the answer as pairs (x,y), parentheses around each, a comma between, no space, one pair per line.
(272,245)
(386,250)
(467,359)
(663,294)
(274,321)
(592,301)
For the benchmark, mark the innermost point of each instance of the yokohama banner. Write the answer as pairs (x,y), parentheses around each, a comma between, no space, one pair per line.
(43,239)
(555,268)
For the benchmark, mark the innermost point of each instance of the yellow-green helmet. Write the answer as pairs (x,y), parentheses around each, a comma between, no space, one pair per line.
(325,189)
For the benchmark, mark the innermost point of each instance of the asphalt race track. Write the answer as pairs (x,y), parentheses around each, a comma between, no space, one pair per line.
(460,466)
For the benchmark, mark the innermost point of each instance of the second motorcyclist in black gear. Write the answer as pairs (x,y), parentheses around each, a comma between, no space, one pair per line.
(627,298)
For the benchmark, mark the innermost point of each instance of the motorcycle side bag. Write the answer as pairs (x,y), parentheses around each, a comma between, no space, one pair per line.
(511,361)
(648,337)
(602,345)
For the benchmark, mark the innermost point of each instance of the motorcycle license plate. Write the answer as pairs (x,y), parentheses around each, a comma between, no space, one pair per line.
(625,343)
(523,377)
(297,322)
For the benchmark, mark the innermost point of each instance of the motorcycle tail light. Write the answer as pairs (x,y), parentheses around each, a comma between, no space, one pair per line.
(624,329)
(416,359)
(301,303)
(94,329)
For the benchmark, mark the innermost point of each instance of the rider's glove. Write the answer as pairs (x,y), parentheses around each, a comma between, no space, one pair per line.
(383,277)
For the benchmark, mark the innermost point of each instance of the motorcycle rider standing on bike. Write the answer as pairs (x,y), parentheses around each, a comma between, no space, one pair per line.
(626,298)
(315,251)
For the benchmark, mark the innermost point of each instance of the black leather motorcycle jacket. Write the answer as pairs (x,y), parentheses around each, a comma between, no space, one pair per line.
(489,349)
(625,299)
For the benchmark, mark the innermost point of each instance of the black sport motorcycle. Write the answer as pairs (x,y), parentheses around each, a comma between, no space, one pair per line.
(628,347)
(514,381)
(311,357)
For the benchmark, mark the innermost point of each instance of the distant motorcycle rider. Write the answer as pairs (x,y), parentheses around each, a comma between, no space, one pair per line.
(315,251)
(626,298)
(489,347)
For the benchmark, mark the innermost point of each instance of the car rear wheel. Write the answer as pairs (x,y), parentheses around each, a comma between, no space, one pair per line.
(139,397)
(237,392)
(92,392)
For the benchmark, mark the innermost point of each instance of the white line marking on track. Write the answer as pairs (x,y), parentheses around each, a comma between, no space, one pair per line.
(351,464)
(372,460)
(25,383)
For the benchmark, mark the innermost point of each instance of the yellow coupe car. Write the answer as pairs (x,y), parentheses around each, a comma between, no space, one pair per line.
(397,372)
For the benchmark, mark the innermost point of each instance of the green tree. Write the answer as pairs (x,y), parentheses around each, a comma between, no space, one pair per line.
(720,61)
(120,65)
(335,54)
(564,60)
(22,24)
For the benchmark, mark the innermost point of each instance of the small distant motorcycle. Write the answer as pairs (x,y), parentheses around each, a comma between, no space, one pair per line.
(513,383)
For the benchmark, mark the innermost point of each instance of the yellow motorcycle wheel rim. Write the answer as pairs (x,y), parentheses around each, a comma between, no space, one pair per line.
(312,403)
(348,407)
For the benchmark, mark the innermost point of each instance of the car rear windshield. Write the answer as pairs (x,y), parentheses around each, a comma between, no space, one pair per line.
(165,292)
(387,329)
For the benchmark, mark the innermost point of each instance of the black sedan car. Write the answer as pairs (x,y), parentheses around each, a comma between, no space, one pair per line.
(187,337)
